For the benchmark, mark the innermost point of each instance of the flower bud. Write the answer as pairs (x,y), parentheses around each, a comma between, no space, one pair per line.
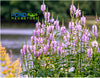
(94,43)
(83,20)
(43,7)
(38,25)
(72,9)
(94,30)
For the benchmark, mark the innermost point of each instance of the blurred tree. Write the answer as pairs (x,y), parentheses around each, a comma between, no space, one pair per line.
(98,7)
(60,8)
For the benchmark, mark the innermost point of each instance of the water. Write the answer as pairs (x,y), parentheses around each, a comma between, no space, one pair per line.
(12,39)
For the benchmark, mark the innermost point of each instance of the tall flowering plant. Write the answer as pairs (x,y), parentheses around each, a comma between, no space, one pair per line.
(58,52)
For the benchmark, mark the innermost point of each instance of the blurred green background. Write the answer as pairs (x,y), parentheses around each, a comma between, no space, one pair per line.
(60,8)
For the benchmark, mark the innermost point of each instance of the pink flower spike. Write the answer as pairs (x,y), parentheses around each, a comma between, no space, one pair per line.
(94,30)
(37,54)
(65,38)
(78,13)
(58,50)
(43,7)
(42,32)
(72,9)
(32,38)
(38,25)
(63,29)
(83,20)
(52,19)
(31,48)
(21,51)
(34,32)
(71,25)
(46,15)
(41,52)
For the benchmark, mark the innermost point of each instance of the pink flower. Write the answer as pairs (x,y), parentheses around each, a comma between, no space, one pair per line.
(56,23)
(44,64)
(98,50)
(78,27)
(67,43)
(78,13)
(38,25)
(43,25)
(72,9)
(71,25)
(86,32)
(62,45)
(25,49)
(61,50)
(41,52)
(34,32)
(65,38)
(21,51)
(58,50)
(85,38)
(47,45)
(89,52)
(46,15)
(38,32)
(35,39)
(94,43)
(68,35)
(31,38)
(41,40)
(94,30)
(34,48)
(52,19)
(83,20)
(51,36)
(31,48)
(45,49)
(49,29)
(74,52)
(53,44)
(52,28)
(43,7)
(37,54)
(63,29)
(42,32)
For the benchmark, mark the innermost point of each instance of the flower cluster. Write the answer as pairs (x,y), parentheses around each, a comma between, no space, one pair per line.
(9,68)
(51,39)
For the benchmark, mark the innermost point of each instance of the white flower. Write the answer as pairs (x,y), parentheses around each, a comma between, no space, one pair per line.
(94,43)
(71,69)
